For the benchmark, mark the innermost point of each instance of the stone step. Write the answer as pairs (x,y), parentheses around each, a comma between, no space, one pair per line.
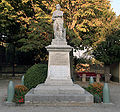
(61,104)
(56,82)
(43,89)
(57,94)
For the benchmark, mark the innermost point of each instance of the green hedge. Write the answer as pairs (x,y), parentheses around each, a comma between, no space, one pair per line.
(35,75)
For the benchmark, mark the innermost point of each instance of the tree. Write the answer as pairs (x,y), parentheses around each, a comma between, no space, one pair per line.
(22,28)
(108,51)
(10,28)
(86,22)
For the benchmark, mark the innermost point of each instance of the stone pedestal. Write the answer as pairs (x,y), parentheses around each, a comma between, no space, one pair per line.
(59,65)
(58,86)
(64,94)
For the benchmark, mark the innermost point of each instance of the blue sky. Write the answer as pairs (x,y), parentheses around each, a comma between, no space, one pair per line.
(115,4)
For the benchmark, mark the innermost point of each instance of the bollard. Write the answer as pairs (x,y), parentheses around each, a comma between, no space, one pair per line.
(106,94)
(84,78)
(22,80)
(11,92)
(91,80)
(98,78)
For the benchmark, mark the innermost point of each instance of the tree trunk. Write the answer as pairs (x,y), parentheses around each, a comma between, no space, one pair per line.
(13,75)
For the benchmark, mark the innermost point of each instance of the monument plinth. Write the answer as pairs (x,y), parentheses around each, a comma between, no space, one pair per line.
(59,64)
(58,86)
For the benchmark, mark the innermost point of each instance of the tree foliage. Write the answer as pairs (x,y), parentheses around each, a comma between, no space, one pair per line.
(108,51)
(29,23)
(85,20)
(9,27)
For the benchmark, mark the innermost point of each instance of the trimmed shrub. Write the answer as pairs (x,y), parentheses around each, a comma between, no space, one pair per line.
(35,75)
(96,89)
(20,91)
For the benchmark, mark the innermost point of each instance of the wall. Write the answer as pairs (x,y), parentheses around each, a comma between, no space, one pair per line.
(8,70)
(115,71)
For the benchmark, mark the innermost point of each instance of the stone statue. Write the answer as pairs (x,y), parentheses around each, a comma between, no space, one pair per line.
(57,17)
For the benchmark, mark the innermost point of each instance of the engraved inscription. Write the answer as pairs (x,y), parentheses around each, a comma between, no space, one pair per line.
(59,59)
(59,72)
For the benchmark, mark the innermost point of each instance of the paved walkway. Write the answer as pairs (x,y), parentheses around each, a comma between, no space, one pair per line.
(114,107)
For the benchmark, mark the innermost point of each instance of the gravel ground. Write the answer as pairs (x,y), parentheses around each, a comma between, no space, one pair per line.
(113,107)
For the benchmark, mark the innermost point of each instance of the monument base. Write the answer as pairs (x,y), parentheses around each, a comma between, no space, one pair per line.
(58,94)
(58,87)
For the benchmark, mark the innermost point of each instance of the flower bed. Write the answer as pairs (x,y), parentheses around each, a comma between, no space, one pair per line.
(20,91)
(96,89)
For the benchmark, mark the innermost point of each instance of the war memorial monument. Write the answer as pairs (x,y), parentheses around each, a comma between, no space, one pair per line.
(58,86)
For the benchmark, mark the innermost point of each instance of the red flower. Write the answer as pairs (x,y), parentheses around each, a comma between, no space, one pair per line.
(21,100)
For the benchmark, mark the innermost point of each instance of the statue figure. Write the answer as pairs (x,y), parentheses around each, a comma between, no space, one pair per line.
(57,17)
